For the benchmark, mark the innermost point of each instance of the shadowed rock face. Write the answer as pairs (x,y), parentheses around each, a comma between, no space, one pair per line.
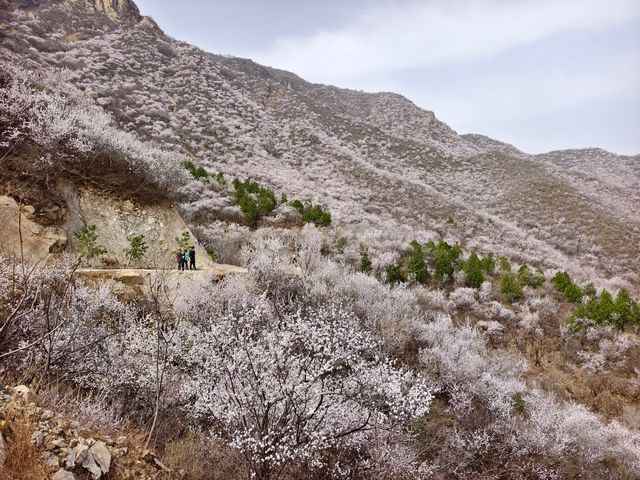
(18,226)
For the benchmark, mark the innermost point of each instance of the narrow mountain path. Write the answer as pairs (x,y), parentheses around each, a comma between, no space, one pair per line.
(131,283)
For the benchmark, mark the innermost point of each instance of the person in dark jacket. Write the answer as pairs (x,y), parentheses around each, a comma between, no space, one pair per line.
(180,259)
(192,258)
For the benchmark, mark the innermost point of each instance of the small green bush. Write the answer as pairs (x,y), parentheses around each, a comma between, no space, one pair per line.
(254,200)
(213,254)
(472,268)
(604,307)
(196,171)
(183,240)
(622,306)
(249,209)
(564,284)
(634,317)
(219,177)
(298,205)
(137,248)
(519,404)
(573,293)
(561,280)
(488,263)
(505,264)
(266,202)
(444,257)
(316,214)
(416,266)
(394,274)
(510,287)
(88,242)
(531,278)
(590,290)
(342,243)
(365,261)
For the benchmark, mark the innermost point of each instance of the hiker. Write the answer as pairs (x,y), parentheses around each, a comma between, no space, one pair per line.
(185,260)
(180,259)
(192,258)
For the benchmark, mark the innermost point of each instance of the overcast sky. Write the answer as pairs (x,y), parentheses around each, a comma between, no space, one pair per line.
(542,75)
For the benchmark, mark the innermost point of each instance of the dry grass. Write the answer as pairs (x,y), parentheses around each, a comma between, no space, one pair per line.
(192,457)
(24,461)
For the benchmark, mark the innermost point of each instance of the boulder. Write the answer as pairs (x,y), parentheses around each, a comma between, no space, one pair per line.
(38,241)
(90,464)
(101,455)
(82,452)
(70,459)
(37,438)
(92,455)
(22,391)
(51,460)
(3,450)
(62,474)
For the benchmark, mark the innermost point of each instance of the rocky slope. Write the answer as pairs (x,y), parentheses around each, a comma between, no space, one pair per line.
(65,444)
(378,161)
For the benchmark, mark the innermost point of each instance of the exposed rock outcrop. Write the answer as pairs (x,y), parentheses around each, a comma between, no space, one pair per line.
(116,219)
(68,449)
(117,9)
(38,241)
(3,450)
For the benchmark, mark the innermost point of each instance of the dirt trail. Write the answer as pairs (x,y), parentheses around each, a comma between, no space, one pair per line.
(131,283)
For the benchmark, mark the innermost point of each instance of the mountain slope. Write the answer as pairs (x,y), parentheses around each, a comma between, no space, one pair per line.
(378,161)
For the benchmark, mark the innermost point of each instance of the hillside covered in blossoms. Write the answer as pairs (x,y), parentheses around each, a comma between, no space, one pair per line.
(377,296)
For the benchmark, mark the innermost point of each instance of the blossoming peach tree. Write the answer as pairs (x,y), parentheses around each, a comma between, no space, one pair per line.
(285,387)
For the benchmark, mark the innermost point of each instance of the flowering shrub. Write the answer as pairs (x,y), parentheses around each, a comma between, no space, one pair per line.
(44,110)
(285,388)
(463,297)
(285,375)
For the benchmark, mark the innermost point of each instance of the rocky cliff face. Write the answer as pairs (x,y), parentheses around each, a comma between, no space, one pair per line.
(116,9)
(20,227)
(115,219)
(120,11)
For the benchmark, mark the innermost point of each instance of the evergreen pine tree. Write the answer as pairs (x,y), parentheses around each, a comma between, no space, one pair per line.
(605,308)
(394,274)
(473,270)
(510,287)
(622,307)
(365,261)
(416,266)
